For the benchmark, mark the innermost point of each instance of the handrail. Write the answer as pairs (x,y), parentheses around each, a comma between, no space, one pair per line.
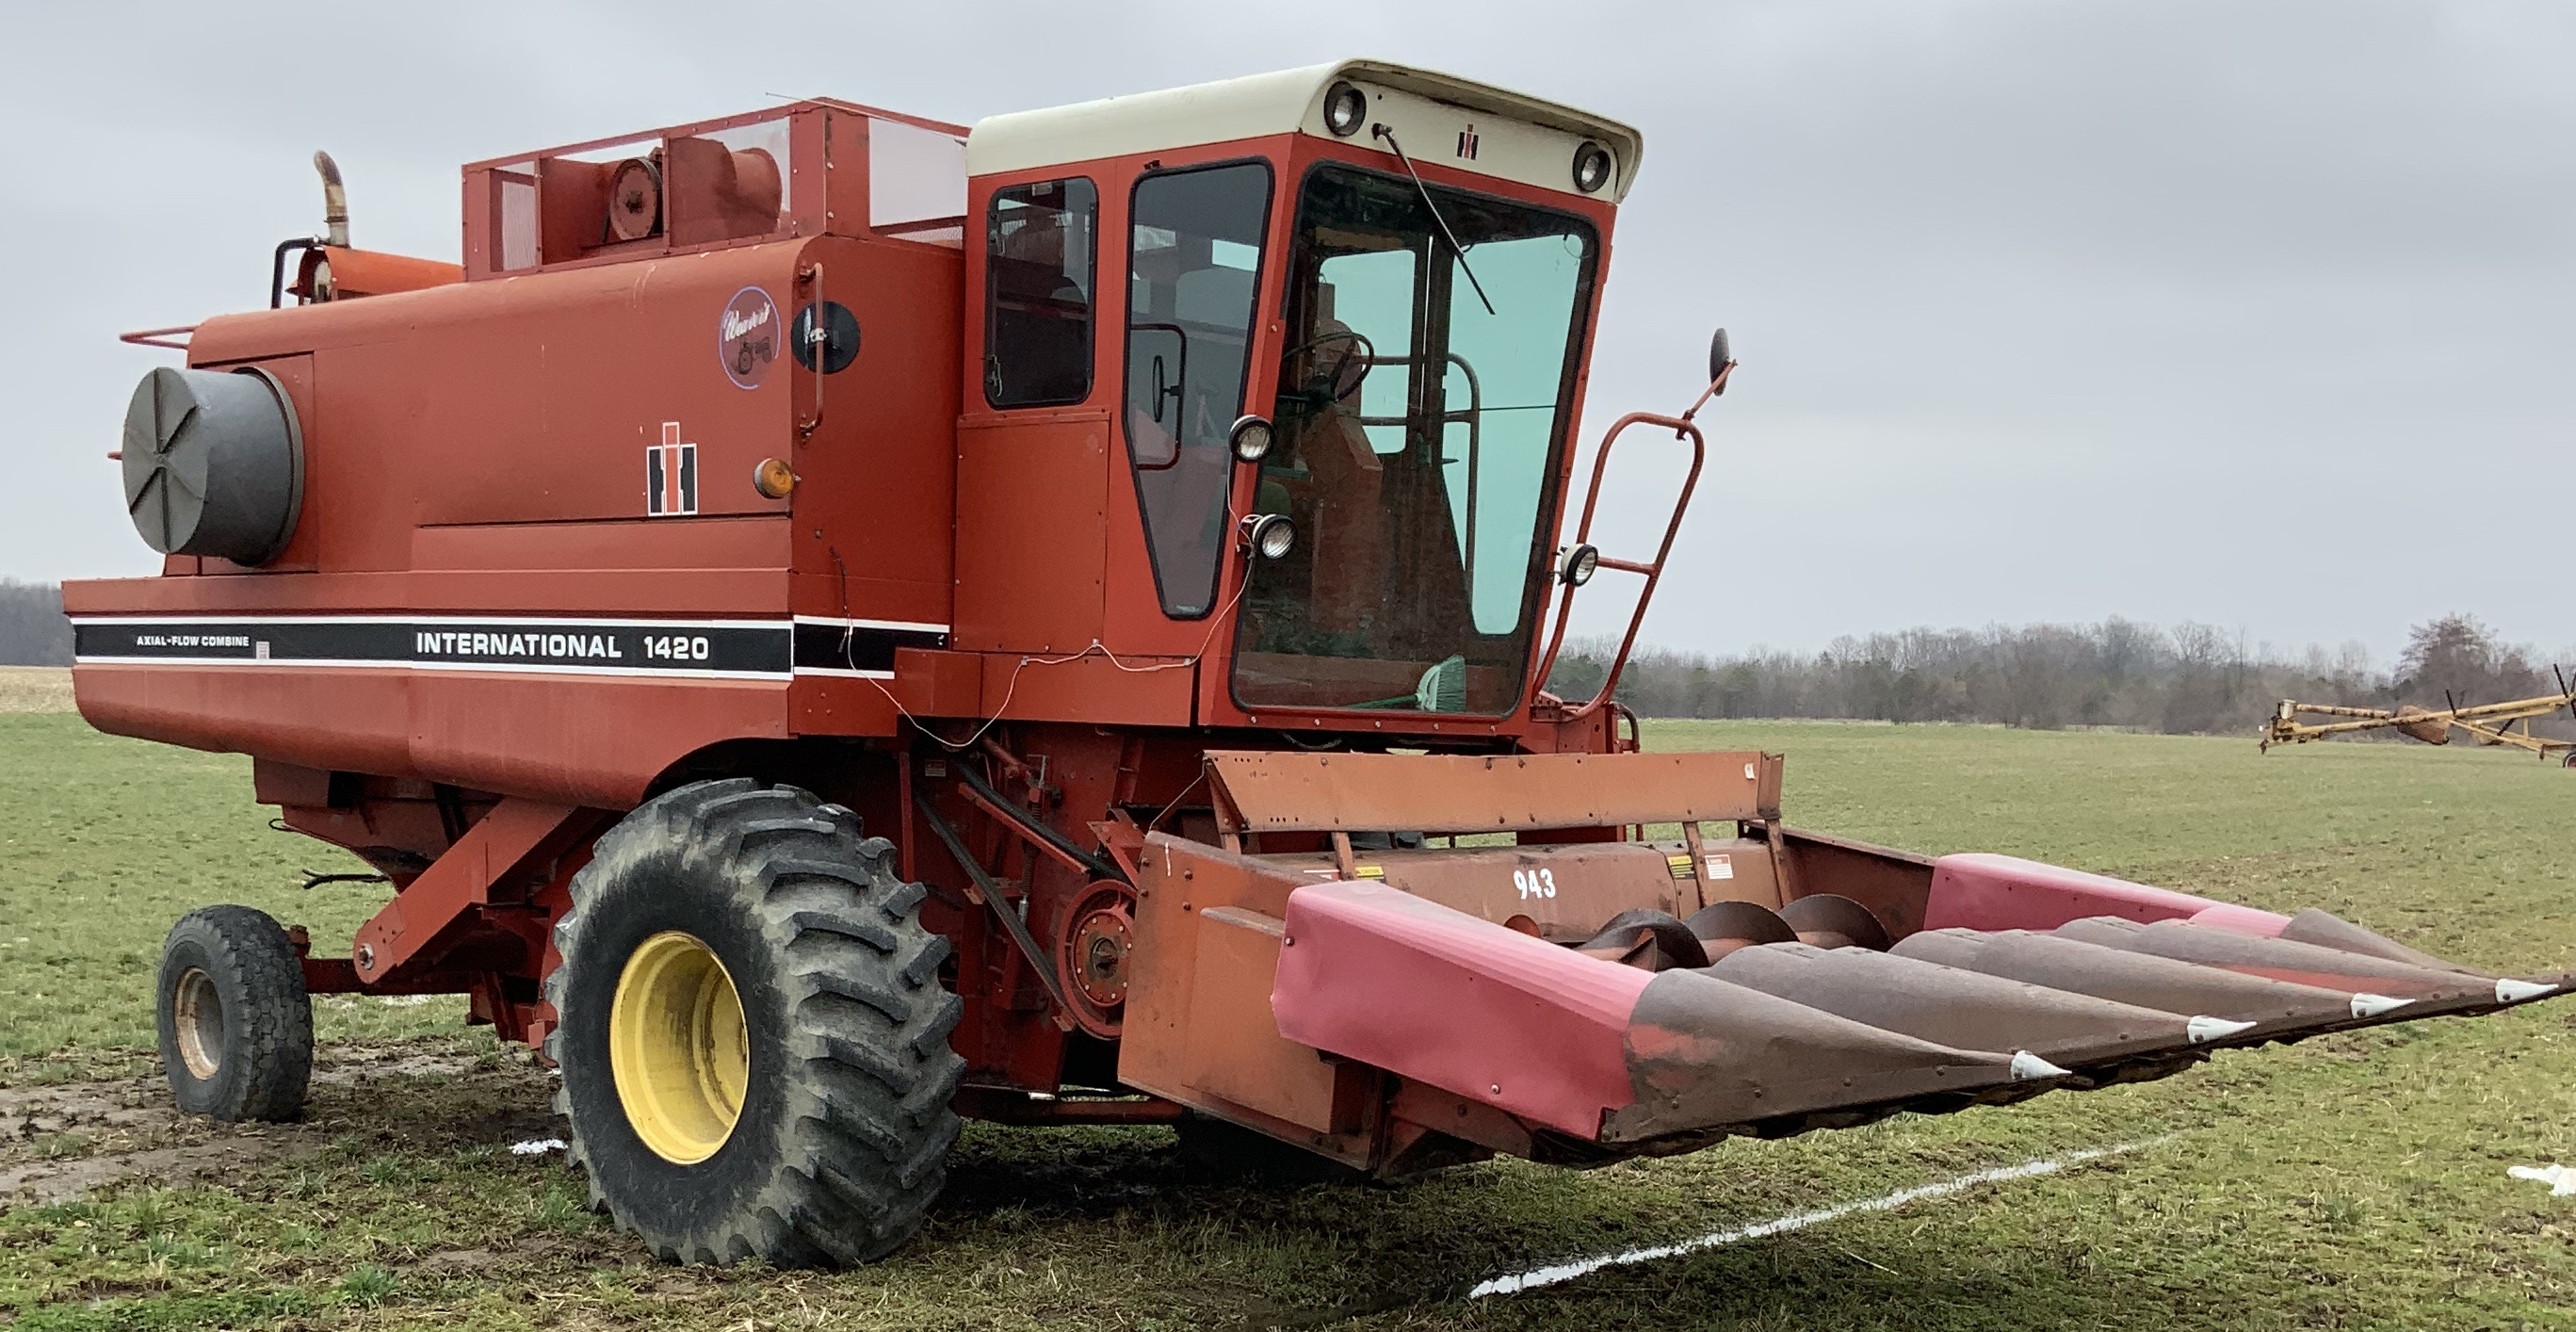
(157,337)
(818,340)
(1682,428)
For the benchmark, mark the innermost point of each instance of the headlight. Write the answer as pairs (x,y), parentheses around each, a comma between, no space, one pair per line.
(1579,566)
(1345,107)
(1591,167)
(1250,438)
(1269,535)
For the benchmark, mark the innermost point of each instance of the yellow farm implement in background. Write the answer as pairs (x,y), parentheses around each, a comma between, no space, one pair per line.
(2490,723)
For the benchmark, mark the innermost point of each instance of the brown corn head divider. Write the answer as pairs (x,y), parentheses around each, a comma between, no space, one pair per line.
(1587,1000)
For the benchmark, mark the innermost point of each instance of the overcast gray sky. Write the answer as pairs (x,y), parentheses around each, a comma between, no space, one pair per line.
(2257,314)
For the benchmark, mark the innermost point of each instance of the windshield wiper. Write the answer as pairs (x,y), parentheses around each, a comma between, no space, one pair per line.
(1388,133)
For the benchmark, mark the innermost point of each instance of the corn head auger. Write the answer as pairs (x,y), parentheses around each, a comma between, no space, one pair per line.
(2487,723)
(831,622)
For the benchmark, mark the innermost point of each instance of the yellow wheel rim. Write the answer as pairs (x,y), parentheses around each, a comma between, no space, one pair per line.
(678,1048)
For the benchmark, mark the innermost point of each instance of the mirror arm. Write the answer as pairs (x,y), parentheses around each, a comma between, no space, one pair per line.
(1715,388)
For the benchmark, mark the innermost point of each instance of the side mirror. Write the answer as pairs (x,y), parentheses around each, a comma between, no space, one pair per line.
(1718,356)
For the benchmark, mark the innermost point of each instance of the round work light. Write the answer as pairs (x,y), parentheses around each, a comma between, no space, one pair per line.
(1270,535)
(1580,564)
(1591,167)
(1250,438)
(1345,108)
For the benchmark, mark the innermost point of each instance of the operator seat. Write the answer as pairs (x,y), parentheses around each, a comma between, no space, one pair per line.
(1344,525)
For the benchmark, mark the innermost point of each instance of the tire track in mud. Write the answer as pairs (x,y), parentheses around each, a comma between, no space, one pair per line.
(61,1142)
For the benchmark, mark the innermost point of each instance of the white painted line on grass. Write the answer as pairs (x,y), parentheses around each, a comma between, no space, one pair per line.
(538,1146)
(1556,1273)
(2560,1179)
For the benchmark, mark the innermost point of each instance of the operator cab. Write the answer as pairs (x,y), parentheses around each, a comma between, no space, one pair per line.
(1390,275)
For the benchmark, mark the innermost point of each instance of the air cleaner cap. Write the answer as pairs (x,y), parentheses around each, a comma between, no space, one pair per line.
(214,464)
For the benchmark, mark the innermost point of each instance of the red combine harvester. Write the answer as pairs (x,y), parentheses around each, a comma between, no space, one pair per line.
(833,622)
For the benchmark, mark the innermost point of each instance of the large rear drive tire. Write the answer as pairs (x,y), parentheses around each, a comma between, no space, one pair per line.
(752,1033)
(236,1024)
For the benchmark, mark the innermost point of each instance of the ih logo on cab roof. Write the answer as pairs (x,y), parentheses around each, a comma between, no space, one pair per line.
(670,475)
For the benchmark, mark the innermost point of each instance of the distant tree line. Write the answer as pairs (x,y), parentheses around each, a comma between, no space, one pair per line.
(2191,679)
(33,631)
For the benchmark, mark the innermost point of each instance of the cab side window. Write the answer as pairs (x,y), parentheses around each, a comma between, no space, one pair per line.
(1039,293)
(1194,263)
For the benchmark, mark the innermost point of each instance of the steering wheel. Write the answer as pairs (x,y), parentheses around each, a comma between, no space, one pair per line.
(1335,376)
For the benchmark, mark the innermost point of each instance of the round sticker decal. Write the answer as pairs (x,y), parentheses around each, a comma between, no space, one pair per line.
(840,337)
(747,337)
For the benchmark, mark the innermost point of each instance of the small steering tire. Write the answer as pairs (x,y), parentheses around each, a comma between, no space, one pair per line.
(236,1025)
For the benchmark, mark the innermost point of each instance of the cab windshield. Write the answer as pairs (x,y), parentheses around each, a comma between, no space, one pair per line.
(1416,437)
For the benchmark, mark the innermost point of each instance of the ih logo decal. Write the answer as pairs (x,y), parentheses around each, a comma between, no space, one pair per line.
(670,475)
(1467,143)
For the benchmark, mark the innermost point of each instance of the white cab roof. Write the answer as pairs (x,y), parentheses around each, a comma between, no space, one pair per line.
(1437,117)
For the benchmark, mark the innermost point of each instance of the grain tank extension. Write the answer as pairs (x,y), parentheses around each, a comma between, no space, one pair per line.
(832,622)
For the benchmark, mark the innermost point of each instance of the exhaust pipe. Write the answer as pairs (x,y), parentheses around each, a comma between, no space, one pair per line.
(335,202)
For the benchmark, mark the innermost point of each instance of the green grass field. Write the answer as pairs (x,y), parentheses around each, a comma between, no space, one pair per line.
(2353,1181)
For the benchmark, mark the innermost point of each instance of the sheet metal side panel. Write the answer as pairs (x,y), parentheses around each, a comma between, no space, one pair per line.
(595,741)
(1162,969)
(582,592)
(1031,536)
(1293,792)
(324,717)
(1567,890)
(1235,1052)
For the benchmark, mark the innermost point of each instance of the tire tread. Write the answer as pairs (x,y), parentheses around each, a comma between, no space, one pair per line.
(268,1016)
(864,1007)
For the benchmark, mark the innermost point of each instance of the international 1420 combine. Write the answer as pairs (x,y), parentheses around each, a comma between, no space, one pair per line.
(832,622)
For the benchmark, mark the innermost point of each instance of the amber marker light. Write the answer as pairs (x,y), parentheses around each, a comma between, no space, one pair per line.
(773,478)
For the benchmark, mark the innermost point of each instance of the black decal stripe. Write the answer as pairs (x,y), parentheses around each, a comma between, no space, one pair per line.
(614,647)
(737,648)
(728,650)
(623,648)
(244,640)
(858,647)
